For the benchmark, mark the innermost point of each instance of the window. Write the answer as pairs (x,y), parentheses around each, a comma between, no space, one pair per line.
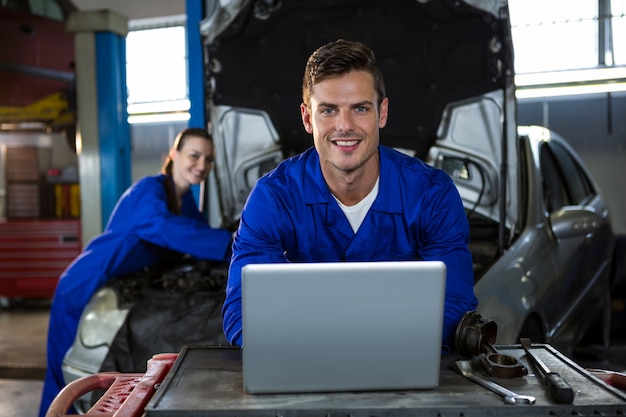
(618,11)
(553,35)
(156,62)
(565,183)
(50,9)
(579,188)
(550,35)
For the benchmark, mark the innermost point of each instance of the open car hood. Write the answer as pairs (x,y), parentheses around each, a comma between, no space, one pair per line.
(448,71)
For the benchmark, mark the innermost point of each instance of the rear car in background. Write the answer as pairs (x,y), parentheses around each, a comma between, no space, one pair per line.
(534,211)
(546,276)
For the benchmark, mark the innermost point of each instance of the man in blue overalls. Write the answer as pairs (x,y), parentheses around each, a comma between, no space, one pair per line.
(349,198)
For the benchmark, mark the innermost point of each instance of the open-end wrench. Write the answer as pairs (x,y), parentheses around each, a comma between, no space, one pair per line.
(465,367)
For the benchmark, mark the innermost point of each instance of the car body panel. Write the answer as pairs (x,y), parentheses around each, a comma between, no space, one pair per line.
(252,148)
(558,267)
(474,130)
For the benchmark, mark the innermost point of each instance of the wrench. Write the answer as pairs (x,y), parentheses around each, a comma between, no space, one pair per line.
(465,367)
(560,391)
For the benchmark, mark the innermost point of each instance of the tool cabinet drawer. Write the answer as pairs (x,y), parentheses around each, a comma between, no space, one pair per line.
(34,253)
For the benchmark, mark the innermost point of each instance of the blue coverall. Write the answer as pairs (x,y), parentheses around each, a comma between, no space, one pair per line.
(291,216)
(139,232)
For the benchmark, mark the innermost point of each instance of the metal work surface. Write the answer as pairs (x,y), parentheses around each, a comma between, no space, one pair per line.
(207,381)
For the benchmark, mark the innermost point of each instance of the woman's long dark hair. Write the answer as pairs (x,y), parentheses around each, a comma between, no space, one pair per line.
(166,169)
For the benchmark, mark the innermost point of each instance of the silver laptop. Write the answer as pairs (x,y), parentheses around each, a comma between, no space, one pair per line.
(344,326)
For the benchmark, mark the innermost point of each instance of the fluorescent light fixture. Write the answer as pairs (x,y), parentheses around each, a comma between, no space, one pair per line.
(564,83)
(557,91)
(159,107)
(158,118)
(572,76)
(157,22)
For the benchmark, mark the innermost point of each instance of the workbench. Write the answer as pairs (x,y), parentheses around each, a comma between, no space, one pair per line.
(208,381)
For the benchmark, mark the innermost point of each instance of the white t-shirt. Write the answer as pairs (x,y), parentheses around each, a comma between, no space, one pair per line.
(356,213)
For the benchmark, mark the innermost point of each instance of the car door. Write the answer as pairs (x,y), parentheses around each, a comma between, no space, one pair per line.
(579,223)
(246,147)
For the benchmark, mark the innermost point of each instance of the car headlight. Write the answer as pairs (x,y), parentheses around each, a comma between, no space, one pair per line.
(101,319)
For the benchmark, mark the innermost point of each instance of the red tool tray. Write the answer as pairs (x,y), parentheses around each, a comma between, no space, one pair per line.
(126,394)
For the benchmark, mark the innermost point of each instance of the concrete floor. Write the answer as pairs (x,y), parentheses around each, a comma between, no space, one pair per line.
(23,331)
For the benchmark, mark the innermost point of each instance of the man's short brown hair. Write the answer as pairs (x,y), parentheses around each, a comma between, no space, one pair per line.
(338,58)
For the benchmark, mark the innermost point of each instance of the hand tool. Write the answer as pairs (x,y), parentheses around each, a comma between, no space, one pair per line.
(465,367)
(560,391)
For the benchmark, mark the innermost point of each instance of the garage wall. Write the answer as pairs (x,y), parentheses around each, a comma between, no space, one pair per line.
(595,125)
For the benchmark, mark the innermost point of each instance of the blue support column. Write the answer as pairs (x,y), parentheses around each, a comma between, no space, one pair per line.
(195,70)
(195,63)
(114,130)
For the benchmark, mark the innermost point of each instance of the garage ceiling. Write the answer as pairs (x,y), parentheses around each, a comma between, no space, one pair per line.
(135,9)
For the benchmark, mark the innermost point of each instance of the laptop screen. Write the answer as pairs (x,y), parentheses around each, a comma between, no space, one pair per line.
(344,326)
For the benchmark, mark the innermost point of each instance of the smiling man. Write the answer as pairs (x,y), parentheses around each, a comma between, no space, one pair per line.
(349,198)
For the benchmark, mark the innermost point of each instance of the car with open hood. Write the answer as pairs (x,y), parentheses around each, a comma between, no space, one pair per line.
(541,238)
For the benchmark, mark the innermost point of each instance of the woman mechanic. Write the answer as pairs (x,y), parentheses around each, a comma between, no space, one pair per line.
(156,215)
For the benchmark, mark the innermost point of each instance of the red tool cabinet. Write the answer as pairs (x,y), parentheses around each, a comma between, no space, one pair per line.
(34,253)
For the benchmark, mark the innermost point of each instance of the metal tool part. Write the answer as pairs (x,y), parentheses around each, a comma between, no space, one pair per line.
(475,337)
(558,389)
(510,397)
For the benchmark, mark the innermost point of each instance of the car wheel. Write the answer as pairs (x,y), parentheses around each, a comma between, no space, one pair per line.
(533,329)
